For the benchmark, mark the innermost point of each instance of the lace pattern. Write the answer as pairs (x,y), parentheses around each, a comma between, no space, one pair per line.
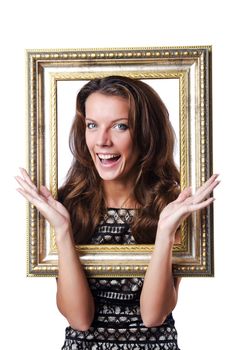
(114,228)
(117,324)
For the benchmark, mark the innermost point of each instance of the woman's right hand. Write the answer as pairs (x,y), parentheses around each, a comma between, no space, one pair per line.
(53,211)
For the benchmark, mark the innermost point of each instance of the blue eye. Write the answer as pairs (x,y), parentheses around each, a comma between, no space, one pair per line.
(121,126)
(90,125)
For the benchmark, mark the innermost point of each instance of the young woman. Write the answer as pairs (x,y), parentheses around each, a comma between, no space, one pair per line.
(122,188)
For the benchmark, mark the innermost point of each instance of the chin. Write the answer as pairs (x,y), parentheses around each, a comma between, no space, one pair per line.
(108,177)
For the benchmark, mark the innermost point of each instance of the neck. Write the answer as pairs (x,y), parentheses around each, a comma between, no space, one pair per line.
(119,195)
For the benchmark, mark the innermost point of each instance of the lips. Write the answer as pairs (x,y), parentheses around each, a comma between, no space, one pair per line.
(108,158)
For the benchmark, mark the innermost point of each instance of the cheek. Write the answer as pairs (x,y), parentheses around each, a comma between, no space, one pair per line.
(127,147)
(123,142)
(130,152)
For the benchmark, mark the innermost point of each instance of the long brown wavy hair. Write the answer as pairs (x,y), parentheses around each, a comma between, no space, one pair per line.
(157,181)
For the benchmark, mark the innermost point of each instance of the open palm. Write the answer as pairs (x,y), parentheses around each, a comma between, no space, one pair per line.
(186,203)
(56,214)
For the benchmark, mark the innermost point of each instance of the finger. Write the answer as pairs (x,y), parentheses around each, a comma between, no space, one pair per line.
(54,217)
(187,192)
(33,200)
(44,190)
(203,194)
(197,206)
(27,178)
(24,184)
(207,184)
(47,194)
(43,207)
(187,209)
(27,189)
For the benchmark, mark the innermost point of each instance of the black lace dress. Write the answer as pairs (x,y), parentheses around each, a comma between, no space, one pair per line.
(117,323)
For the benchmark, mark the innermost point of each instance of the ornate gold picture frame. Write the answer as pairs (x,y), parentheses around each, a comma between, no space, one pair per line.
(182,77)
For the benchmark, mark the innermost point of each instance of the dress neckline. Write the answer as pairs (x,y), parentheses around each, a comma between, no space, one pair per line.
(119,215)
(116,209)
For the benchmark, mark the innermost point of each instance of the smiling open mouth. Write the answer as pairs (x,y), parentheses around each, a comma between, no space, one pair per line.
(108,158)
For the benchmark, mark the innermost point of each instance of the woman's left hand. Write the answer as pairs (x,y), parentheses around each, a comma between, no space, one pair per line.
(186,203)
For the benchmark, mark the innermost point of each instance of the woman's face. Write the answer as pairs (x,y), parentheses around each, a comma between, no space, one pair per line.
(108,137)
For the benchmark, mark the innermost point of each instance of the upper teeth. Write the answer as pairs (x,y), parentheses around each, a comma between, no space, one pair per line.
(107,156)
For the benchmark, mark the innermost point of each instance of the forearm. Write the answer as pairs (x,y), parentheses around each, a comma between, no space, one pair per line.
(74,298)
(159,294)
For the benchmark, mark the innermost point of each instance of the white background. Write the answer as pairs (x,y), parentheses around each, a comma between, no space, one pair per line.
(29,318)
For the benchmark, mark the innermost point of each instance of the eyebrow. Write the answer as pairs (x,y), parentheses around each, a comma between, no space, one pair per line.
(113,121)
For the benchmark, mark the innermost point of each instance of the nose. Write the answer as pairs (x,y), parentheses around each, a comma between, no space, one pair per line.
(104,138)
